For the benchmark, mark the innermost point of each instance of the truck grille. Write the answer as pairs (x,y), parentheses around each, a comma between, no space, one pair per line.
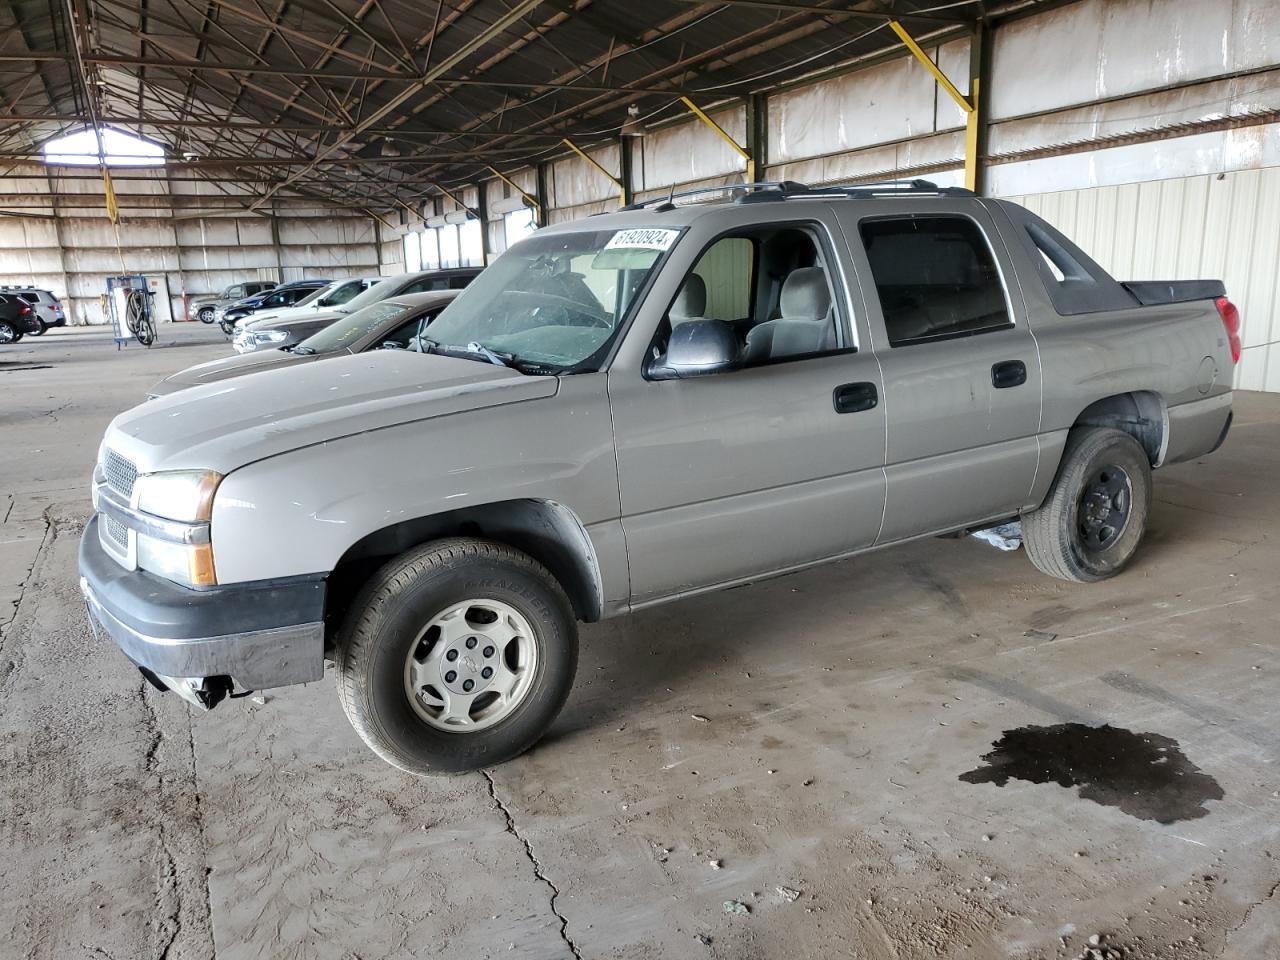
(121,474)
(116,531)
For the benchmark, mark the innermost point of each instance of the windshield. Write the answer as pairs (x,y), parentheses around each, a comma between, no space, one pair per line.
(555,300)
(341,334)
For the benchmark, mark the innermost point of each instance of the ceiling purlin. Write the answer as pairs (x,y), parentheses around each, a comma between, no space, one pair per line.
(202,43)
(259,56)
(180,26)
(307,84)
(20,33)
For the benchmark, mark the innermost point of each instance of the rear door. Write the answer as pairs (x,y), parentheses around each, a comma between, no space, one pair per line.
(961,370)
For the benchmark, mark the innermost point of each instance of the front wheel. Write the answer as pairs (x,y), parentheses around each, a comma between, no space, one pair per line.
(455,656)
(228,326)
(205,314)
(1090,525)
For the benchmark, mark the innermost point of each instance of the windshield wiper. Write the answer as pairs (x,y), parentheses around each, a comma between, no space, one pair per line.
(478,351)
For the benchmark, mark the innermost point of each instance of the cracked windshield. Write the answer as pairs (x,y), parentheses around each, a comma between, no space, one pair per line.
(552,303)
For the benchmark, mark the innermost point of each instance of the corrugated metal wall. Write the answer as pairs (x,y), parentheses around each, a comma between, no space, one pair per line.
(1224,226)
(67,245)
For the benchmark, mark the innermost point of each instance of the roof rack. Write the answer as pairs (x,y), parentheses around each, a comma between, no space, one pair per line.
(746,188)
(769,191)
(882,188)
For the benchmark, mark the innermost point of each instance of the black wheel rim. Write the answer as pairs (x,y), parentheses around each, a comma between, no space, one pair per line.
(1103,511)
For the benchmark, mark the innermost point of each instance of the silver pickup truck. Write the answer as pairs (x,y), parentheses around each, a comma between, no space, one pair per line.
(635,408)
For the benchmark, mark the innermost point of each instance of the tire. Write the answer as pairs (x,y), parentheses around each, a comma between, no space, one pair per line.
(40,330)
(205,314)
(228,327)
(8,332)
(388,635)
(1093,519)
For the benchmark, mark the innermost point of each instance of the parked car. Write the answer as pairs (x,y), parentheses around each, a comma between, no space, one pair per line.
(262,331)
(326,299)
(44,305)
(632,409)
(397,324)
(205,308)
(17,318)
(285,295)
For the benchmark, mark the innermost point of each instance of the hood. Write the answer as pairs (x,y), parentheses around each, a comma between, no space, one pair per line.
(227,367)
(228,424)
(270,317)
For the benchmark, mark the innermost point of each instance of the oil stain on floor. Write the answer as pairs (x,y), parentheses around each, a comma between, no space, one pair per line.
(1144,774)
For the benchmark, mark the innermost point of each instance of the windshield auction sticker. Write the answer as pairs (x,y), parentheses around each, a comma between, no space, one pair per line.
(645,239)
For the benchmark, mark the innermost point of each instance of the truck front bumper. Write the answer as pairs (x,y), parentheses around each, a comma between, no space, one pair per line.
(201,642)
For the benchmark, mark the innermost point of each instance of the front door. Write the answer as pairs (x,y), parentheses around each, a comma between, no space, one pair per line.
(731,475)
(961,369)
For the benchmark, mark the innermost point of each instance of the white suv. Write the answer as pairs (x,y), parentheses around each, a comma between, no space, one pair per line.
(43,304)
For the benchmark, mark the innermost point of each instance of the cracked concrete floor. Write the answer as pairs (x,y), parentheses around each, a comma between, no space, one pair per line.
(807,734)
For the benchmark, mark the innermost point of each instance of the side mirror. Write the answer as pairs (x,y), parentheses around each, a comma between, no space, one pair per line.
(697,348)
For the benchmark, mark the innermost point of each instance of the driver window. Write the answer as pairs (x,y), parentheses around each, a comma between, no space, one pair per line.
(772,287)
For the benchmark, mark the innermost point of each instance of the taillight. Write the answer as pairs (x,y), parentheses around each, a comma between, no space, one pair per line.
(1231,320)
(24,311)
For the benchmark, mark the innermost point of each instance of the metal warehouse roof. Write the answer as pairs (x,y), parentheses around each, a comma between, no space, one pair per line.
(362,101)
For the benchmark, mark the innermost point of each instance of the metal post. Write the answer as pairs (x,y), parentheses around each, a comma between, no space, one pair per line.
(625,166)
(975,134)
(544,195)
(758,134)
(482,207)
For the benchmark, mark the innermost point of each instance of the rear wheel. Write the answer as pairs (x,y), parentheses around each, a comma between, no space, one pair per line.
(40,330)
(8,332)
(1091,523)
(455,656)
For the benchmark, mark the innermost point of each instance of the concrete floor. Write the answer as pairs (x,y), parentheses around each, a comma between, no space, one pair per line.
(808,735)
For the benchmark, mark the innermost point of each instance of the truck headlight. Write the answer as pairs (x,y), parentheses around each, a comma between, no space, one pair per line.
(187,563)
(184,495)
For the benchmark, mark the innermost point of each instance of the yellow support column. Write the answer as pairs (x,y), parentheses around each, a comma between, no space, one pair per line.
(969,104)
(971,129)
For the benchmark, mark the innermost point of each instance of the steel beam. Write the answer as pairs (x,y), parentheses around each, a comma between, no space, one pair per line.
(784,7)
(742,151)
(622,190)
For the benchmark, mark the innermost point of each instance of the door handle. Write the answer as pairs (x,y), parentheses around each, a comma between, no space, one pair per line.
(1008,373)
(855,397)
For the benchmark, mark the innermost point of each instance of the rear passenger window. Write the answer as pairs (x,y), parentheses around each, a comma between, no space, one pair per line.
(936,278)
